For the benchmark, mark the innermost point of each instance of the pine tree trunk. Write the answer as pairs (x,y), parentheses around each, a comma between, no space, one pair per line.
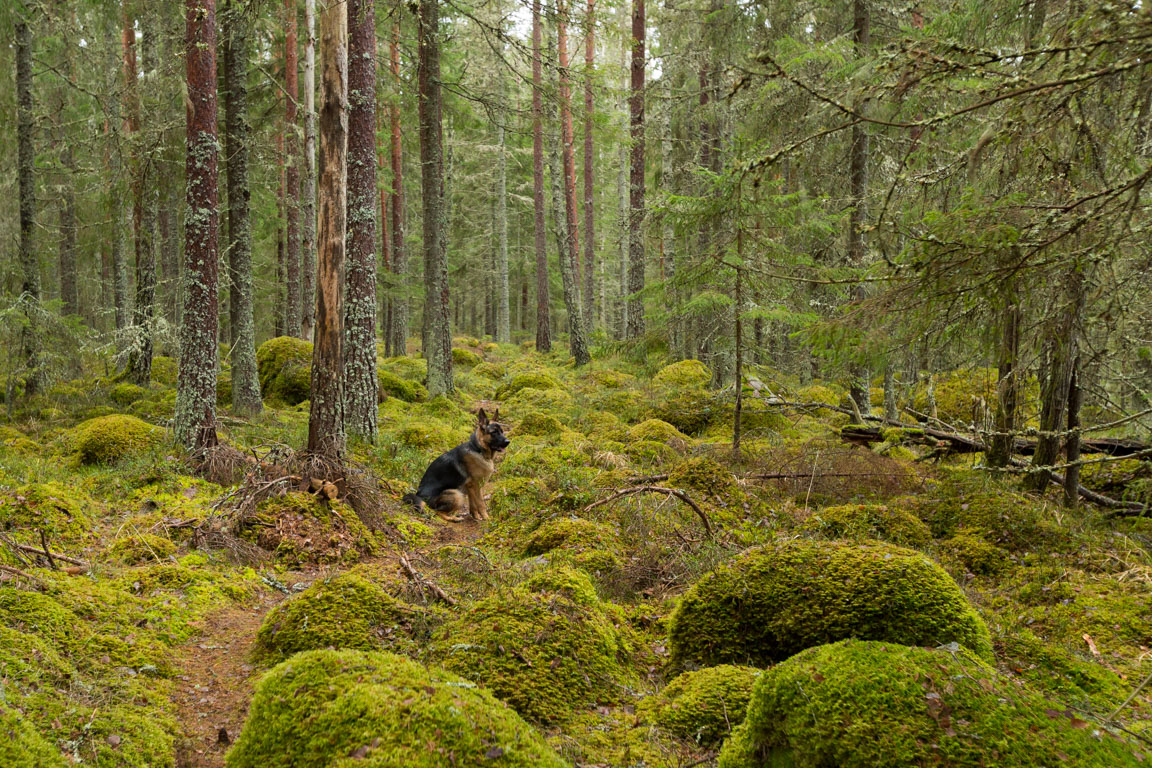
(195,417)
(166,222)
(385,266)
(858,188)
(245,380)
(68,293)
(589,294)
(293,311)
(635,326)
(326,417)
(622,193)
(308,188)
(503,321)
(543,310)
(143,209)
(570,256)
(360,385)
(279,307)
(399,252)
(26,154)
(437,335)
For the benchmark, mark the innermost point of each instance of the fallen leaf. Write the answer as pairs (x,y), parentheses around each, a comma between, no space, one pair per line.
(113,740)
(1091,645)
(494,753)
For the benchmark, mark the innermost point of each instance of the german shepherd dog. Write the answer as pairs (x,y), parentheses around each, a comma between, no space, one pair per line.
(464,469)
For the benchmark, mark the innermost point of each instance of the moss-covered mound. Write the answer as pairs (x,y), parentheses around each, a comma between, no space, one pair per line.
(545,653)
(142,548)
(21,746)
(777,600)
(680,397)
(702,706)
(108,439)
(686,373)
(863,704)
(532,379)
(1013,521)
(590,545)
(125,393)
(870,521)
(392,385)
(64,514)
(284,365)
(302,529)
(325,709)
(975,555)
(345,611)
(657,431)
(537,423)
(165,370)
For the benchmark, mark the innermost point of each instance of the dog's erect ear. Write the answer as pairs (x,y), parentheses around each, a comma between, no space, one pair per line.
(496,416)
(482,418)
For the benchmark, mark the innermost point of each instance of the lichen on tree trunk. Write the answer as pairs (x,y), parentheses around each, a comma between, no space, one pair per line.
(292,305)
(635,305)
(308,187)
(543,309)
(399,252)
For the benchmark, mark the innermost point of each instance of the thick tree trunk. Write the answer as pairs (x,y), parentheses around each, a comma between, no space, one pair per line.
(292,306)
(570,256)
(858,188)
(437,334)
(589,294)
(245,380)
(635,326)
(26,160)
(278,307)
(195,418)
(502,320)
(543,309)
(143,209)
(385,266)
(360,385)
(326,417)
(308,188)
(399,252)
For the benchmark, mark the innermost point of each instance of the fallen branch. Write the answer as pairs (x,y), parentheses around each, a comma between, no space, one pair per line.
(50,555)
(424,582)
(665,491)
(22,574)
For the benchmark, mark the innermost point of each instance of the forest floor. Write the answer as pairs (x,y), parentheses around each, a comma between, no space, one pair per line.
(564,605)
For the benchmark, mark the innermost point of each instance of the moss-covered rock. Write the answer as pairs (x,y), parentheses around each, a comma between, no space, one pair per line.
(64,514)
(109,439)
(544,653)
(465,358)
(704,476)
(552,399)
(409,368)
(530,379)
(125,393)
(165,371)
(572,533)
(658,431)
(1013,521)
(489,370)
(975,555)
(702,706)
(21,746)
(326,709)
(345,611)
(561,580)
(284,365)
(537,423)
(392,385)
(962,396)
(861,704)
(870,521)
(301,529)
(777,600)
(141,548)
(686,373)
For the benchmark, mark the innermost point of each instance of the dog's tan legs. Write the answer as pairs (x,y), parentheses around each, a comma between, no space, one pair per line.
(448,504)
(476,505)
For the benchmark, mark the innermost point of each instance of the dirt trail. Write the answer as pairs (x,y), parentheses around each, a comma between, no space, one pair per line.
(215,683)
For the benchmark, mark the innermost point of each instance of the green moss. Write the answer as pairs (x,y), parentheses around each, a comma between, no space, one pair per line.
(284,365)
(855,704)
(657,430)
(426,433)
(414,533)
(974,554)
(561,580)
(64,514)
(530,398)
(572,533)
(543,653)
(705,476)
(702,706)
(125,393)
(302,529)
(536,423)
(962,396)
(774,601)
(1014,521)
(21,746)
(392,385)
(490,371)
(819,393)
(870,521)
(326,709)
(686,373)
(409,368)
(1054,670)
(651,453)
(142,548)
(165,371)
(344,611)
(524,380)
(465,357)
(109,439)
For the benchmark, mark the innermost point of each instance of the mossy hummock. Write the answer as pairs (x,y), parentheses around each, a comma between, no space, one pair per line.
(702,706)
(774,601)
(326,709)
(21,746)
(870,521)
(345,611)
(302,529)
(109,439)
(64,514)
(284,365)
(858,704)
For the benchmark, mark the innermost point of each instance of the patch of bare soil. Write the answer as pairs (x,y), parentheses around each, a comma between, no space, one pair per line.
(215,682)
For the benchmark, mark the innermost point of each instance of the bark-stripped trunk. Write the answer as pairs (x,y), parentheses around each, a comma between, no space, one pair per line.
(326,417)
(635,326)
(589,294)
(308,188)
(26,159)
(502,321)
(858,188)
(570,255)
(143,210)
(360,386)
(437,334)
(399,253)
(1007,386)
(543,308)
(292,307)
(195,418)
(245,380)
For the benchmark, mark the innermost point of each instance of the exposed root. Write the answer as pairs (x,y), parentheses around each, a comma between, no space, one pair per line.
(423,581)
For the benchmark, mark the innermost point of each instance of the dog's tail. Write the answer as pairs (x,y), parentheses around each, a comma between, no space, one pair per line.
(414,500)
